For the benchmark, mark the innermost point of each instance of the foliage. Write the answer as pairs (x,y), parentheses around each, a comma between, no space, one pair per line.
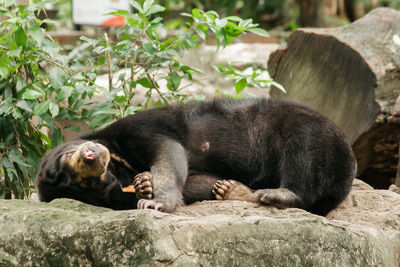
(40,85)
(141,49)
(249,77)
(31,98)
(251,8)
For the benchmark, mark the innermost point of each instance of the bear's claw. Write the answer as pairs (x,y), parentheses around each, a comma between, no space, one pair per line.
(143,184)
(150,204)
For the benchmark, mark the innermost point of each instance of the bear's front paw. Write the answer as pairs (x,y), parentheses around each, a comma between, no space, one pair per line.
(168,204)
(143,184)
(150,204)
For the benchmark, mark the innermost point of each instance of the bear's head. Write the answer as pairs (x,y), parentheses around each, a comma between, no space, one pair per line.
(80,170)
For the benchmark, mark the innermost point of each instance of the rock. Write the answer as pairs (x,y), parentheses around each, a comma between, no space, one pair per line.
(372,208)
(394,188)
(363,231)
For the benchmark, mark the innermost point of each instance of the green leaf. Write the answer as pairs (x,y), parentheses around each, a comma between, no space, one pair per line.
(53,107)
(16,156)
(234,18)
(32,94)
(35,31)
(176,80)
(157,19)
(247,23)
(196,13)
(132,110)
(119,12)
(259,31)
(167,42)
(20,36)
(136,5)
(145,83)
(63,93)
(147,4)
(104,91)
(6,106)
(106,111)
(5,65)
(72,128)
(24,105)
(211,14)
(154,9)
(96,120)
(200,32)
(9,167)
(221,23)
(240,85)
(41,108)
(120,99)
(149,48)
(184,14)
(16,113)
(78,104)
(15,52)
(57,77)
(231,29)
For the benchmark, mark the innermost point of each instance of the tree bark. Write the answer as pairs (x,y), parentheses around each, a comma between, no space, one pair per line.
(311,13)
(351,74)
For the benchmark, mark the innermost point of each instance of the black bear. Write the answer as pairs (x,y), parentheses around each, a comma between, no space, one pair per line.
(287,154)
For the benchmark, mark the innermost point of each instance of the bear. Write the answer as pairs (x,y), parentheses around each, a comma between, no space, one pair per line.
(273,151)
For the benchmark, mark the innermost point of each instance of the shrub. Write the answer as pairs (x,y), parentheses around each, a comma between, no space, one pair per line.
(39,85)
(32,98)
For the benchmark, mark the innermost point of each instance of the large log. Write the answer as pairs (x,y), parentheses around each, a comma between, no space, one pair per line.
(351,74)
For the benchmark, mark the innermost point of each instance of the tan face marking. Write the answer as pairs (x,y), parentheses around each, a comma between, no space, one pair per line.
(88,160)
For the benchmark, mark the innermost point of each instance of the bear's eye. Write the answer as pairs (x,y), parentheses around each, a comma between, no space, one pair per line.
(68,154)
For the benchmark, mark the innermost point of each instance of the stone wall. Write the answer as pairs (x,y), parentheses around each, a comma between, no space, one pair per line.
(363,231)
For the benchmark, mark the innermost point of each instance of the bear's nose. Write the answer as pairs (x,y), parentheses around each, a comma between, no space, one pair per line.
(89,153)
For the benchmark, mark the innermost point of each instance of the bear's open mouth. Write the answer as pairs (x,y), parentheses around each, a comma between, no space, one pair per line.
(89,156)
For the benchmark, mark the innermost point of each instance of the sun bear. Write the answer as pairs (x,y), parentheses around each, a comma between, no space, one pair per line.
(270,151)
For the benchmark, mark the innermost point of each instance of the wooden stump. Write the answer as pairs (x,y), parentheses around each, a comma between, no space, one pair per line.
(351,74)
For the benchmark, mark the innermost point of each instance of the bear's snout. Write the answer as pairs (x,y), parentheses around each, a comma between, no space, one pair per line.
(91,152)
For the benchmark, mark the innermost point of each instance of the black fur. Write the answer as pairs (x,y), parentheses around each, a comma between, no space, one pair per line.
(262,143)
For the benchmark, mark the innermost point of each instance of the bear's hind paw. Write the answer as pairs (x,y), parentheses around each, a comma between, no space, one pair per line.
(279,197)
(233,190)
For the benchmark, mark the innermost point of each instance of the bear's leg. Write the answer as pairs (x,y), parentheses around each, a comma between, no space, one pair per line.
(233,190)
(279,197)
(169,170)
(198,187)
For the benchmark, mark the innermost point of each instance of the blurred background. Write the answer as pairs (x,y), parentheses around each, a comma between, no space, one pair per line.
(276,16)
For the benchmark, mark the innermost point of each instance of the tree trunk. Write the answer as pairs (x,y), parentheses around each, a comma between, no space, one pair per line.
(351,74)
(311,13)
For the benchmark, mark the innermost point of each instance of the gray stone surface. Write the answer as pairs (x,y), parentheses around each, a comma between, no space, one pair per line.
(363,231)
